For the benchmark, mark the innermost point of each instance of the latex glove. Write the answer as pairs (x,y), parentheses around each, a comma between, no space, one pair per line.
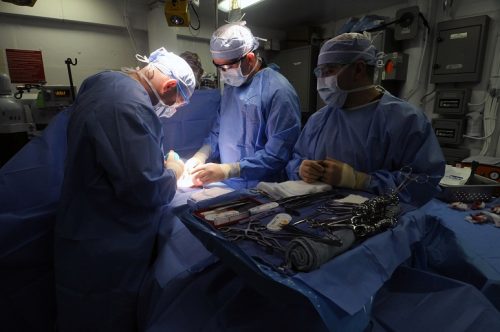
(199,158)
(208,173)
(340,174)
(311,170)
(174,164)
(192,162)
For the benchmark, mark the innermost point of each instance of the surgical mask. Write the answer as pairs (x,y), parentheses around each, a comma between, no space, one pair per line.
(234,76)
(330,92)
(332,95)
(161,109)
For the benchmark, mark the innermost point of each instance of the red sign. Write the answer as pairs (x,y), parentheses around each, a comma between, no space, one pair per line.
(25,66)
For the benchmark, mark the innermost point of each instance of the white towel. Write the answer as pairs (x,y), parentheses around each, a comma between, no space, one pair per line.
(292,188)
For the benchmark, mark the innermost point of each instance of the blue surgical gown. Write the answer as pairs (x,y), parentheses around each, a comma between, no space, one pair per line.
(378,139)
(114,187)
(186,130)
(258,125)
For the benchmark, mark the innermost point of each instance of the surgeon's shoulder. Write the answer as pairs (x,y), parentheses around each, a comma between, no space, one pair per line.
(396,107)
(320,115)
(275,81)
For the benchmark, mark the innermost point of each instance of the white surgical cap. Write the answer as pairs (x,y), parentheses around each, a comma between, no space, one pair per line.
(347,48)
(232,41)
(174,66)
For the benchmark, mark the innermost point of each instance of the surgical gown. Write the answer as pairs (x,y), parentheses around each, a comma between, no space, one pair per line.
(378,139)
(114,187)
(258,126)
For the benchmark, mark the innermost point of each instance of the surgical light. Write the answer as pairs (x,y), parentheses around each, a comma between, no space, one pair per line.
(226,5)
(176,13)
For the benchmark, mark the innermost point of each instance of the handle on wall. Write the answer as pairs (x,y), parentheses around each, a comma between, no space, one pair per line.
(69,63)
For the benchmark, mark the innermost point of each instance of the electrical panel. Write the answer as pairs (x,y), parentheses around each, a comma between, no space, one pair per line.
(451,102)
(449,131)
(395,67)
(460,48)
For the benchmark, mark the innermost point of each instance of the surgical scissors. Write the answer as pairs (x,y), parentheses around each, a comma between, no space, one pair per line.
(407,173)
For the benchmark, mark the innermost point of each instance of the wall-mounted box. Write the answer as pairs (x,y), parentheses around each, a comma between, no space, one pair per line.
(449,131)
(451,102)
(407,28)
(460,48)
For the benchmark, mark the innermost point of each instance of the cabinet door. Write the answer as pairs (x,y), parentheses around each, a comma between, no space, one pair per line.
(296,65)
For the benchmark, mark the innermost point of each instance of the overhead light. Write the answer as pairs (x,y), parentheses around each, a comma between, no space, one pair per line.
(176,13)
(225,5)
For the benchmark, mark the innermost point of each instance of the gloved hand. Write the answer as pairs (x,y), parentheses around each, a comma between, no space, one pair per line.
(192,162)
(199,158)
(208,173)
(340,174)
(174,164)
(311,170)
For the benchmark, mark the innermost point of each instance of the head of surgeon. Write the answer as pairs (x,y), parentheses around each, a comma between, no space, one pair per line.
(168,79)
(232,47)
(346,65)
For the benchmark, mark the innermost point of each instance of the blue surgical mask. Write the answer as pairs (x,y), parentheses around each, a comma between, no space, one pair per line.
(332,95)
(233,76)
(330,92)
(163,110)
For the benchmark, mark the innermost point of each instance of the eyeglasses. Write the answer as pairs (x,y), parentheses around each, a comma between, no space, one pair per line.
(229,65)
(327,69)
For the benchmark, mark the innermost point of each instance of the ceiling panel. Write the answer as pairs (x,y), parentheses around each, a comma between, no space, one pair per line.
(284,14)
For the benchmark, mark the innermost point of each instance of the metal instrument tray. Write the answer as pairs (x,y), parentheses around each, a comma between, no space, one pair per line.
(479,189)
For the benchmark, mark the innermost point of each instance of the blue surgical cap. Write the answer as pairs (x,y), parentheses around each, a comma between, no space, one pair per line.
(175,67)
(232,41)
(347,48)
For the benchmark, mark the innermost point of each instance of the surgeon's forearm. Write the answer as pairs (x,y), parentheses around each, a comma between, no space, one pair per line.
(203,153)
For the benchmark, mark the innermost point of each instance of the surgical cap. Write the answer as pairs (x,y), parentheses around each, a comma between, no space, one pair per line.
(232,41)
(174,66)
(347,48)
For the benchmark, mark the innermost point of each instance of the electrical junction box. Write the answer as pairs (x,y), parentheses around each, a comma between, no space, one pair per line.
(395,67)
(449,131)
(407,27)
(460,48)
(176,13)
(451,102)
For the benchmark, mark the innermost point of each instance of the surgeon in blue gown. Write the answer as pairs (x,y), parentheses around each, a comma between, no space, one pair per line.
(116,181)
(259,120)
(365,138)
